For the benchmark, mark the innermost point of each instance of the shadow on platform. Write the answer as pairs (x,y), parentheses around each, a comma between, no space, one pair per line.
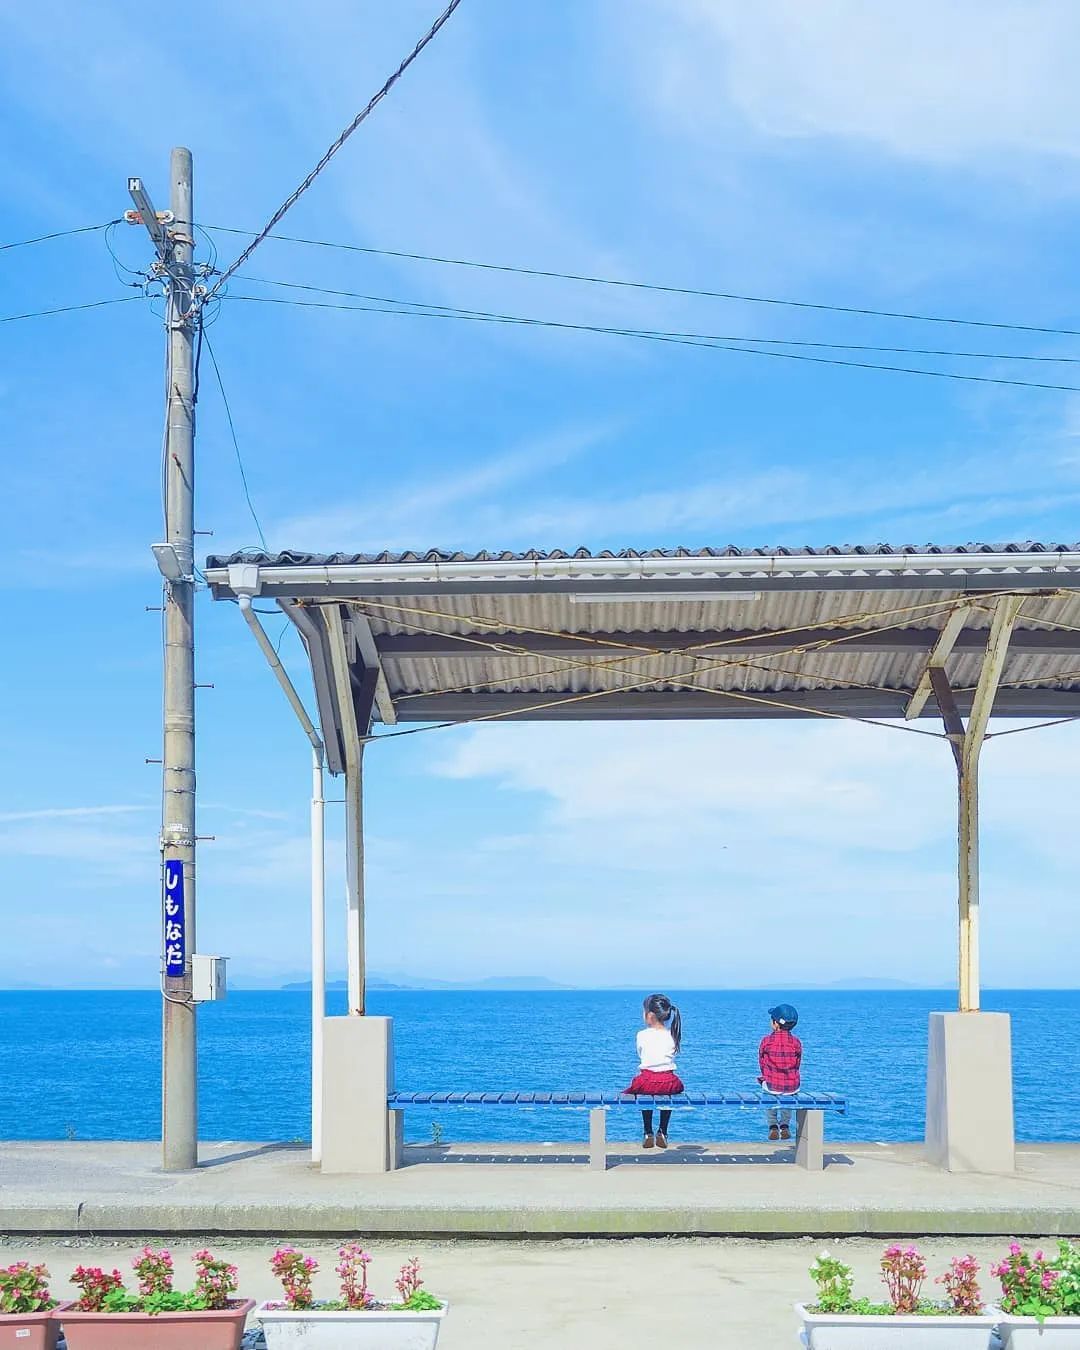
(259,1151)
(688,1155)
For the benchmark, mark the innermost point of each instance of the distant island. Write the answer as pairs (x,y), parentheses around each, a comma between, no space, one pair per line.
(403,983)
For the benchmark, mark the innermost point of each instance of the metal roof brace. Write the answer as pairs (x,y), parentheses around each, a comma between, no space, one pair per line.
(246,583)
(966,743)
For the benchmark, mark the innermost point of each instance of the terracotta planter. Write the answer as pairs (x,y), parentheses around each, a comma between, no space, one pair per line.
(30,1331)
(222,1330)
(318,1329)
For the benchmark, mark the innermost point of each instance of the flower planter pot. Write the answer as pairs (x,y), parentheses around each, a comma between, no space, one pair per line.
(219,1330)
(1027,1333)
(835,1331)
(30,1331)
(288,1329)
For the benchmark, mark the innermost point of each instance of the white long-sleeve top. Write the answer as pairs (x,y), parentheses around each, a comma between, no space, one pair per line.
(656,1049)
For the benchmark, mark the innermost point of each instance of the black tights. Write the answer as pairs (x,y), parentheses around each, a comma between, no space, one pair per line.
(665,1119)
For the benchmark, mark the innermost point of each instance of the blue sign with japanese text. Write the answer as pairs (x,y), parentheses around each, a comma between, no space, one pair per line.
(175,930)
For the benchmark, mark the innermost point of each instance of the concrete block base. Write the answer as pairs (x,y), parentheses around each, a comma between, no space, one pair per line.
(358,1072)
(969,1093)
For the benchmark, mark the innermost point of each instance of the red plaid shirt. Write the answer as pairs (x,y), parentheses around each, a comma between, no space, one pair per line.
(779,1055)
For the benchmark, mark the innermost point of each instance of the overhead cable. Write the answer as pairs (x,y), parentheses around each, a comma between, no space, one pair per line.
(861,310)
(235,440)
(59,234)
(332,151)
(69,309)
(479,316)
(700,337)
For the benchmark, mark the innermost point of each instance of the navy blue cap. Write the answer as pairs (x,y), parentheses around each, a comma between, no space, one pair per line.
(785,1015)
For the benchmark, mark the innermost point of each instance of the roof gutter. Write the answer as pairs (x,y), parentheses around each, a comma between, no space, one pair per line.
(593,573)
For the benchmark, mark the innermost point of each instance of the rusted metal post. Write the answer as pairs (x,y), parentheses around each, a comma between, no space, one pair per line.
(1006,610)
(968,871)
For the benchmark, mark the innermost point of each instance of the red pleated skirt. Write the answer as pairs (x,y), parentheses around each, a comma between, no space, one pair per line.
(649,1083)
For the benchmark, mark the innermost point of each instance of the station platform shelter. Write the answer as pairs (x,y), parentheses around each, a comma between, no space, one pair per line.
(952,641)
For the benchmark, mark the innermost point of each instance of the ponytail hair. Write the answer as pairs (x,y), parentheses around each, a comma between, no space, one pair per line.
(667,1014)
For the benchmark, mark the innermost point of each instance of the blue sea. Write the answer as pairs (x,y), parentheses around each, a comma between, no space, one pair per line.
(85,1065)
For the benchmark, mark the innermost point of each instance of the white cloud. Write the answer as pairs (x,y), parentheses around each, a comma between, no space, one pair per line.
(827,837)
(989,80)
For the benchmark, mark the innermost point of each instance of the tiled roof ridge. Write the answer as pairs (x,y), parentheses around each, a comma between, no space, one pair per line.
(299,558)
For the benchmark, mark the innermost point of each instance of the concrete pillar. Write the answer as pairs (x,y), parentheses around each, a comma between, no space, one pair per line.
(598,1139)
(810,1140)
(969,1093)
(358,1072)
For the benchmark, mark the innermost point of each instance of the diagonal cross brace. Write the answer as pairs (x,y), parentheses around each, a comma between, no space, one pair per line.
(940,653)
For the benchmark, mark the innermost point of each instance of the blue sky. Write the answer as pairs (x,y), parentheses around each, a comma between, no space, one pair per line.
(917,157)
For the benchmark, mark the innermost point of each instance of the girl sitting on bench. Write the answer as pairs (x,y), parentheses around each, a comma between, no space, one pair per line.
(657,1046)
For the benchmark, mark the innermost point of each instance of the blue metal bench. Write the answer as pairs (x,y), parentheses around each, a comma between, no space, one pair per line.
(809,1108)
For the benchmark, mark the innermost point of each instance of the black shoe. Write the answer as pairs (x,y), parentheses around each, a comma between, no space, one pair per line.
(785,1133)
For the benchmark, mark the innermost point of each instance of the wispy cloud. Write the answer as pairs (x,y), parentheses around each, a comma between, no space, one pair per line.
(69,813)
(421,513)
(989,79)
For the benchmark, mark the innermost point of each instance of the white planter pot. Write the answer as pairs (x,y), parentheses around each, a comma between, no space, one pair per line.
(286,1329)
(1027,1333)
(835,1331)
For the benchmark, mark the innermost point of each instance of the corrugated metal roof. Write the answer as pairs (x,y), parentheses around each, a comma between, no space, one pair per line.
(670,632)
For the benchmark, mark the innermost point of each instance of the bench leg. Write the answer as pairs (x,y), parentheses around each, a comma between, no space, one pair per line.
(598,1139)
(810,1140)
(396,1139)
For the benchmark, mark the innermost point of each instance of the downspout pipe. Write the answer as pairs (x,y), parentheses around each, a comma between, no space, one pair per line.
(318,870)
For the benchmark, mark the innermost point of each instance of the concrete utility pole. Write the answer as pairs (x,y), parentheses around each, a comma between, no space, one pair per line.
(174,242)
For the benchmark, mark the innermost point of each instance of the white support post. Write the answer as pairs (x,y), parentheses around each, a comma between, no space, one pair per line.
(354,811)
(318,948)
(245,581)
(354,868)
(1006,609)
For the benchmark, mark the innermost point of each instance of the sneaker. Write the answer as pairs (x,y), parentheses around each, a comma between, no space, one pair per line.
(774,1133)
(648,1142)
(785,1133)
(661,1139)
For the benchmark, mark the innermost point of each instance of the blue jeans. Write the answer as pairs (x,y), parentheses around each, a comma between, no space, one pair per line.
(773,1116)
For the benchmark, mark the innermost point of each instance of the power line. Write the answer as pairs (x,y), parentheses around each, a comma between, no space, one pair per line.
(59,234)
(650,336)
(235,441)
(360,117)
(70,309)
(653,286)
(703,337)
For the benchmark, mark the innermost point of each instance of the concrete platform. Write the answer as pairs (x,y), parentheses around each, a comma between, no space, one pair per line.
(532,1191)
